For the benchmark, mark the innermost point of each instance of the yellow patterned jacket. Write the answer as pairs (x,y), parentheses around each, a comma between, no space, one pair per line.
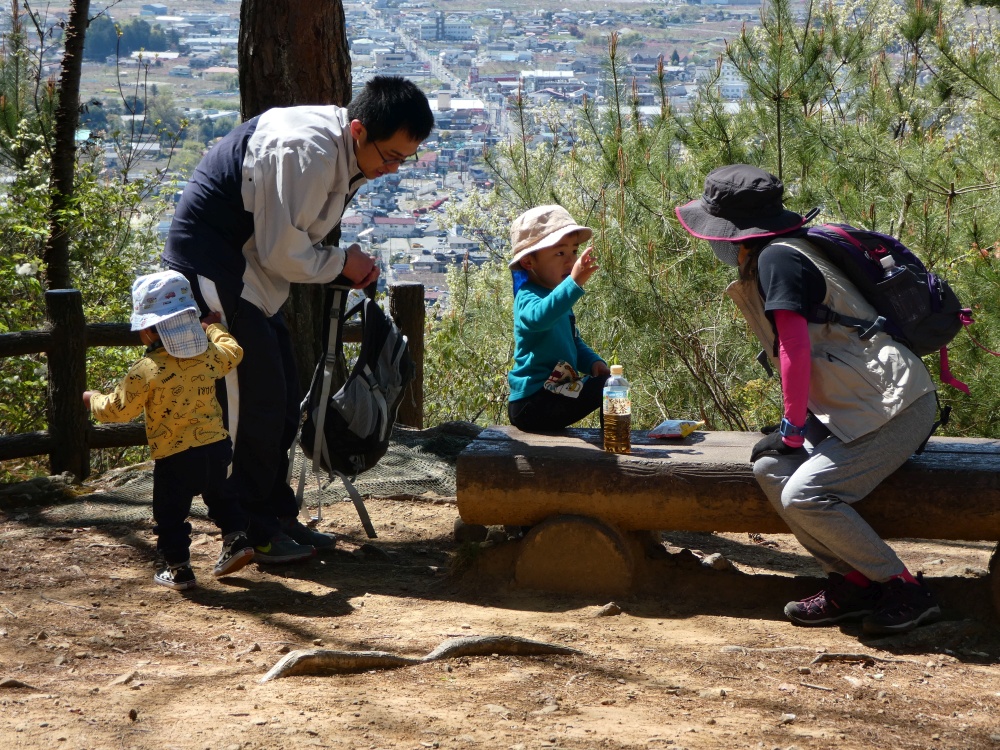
(178,395)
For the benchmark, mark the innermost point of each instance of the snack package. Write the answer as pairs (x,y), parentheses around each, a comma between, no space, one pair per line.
(675,428)
(565,380)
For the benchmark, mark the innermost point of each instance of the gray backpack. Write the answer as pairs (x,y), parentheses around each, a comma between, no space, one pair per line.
(346,431)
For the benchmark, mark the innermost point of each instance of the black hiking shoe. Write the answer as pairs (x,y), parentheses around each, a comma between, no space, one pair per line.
(840,600)
(300,533)
(236,553)
(903,607)
(176,577)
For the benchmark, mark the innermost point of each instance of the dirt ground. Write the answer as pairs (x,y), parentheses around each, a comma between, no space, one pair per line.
(93,654)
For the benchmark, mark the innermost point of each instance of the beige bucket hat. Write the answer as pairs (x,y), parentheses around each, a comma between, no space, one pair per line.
(541,227)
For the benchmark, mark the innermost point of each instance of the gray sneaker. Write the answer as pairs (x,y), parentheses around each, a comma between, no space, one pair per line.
(299,532)
(282,549)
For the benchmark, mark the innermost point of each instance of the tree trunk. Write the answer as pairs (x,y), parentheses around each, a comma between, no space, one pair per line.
(295,52)
(68,418)
(67,357)
(64,154)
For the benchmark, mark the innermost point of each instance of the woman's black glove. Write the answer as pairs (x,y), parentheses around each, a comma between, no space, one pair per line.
(772,445)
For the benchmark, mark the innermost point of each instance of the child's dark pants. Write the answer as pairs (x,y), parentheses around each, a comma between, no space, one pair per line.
(200,470)
(545,411)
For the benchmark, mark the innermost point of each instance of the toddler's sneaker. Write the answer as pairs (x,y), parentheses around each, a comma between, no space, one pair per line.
(282,549)
(903,607)
(177,577)
(302,534)
(840,600)
(236,553)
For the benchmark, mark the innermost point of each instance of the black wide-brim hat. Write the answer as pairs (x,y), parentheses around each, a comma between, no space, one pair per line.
(740,202)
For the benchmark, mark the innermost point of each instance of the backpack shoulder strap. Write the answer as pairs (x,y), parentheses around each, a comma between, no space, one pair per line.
(840,241)
(820,313)
(331,354)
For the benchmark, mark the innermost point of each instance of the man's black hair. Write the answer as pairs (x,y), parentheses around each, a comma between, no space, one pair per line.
(388,104)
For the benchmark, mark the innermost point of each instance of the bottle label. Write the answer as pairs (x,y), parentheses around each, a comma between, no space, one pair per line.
(617,402)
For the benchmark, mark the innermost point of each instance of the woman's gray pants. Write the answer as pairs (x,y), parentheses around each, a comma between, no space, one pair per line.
(813,491)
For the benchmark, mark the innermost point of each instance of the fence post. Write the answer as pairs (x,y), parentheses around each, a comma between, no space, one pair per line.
(67,364)
(406,306)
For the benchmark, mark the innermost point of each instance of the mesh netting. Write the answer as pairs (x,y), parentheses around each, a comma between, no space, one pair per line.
(419,463)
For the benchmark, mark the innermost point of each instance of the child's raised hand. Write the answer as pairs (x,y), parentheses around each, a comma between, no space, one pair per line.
(585,266)
(212,317)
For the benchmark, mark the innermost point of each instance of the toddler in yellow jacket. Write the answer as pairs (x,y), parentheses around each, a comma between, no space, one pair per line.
(174,385)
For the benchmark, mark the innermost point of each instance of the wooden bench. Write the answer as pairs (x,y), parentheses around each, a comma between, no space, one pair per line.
(591,512)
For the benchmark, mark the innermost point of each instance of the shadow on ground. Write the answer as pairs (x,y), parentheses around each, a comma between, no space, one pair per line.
(430,565)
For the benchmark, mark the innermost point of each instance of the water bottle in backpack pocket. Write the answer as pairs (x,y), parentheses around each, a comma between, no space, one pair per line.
(904,298)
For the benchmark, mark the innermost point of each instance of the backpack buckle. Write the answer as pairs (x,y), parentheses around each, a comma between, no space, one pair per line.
(877,325)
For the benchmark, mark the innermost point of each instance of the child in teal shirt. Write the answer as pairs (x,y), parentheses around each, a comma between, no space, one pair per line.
(556,379)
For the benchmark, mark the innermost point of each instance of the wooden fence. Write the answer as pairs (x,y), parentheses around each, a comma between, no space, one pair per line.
(66,338)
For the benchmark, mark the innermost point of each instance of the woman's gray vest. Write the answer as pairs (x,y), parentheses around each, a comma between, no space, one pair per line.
(856,385)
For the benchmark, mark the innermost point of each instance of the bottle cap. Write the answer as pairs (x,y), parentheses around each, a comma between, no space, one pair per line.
(616,369)
(888,262)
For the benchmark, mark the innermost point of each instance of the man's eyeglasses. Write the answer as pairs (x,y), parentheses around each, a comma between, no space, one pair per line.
(394,162)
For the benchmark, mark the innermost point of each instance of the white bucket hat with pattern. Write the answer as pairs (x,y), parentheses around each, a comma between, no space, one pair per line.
(165,300)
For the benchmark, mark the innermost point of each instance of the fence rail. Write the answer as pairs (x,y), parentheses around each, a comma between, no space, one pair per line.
(70,436)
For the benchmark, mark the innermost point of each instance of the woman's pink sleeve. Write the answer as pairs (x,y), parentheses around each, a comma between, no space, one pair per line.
(795,358)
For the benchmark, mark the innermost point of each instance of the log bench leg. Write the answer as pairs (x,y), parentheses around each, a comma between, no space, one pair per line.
(576,555)
(995,579)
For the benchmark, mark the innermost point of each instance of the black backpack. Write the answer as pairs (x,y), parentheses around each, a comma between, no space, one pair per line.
(346,430)
(915,306)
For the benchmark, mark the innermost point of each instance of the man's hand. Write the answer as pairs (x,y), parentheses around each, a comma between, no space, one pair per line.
(600,369)
(359,267)
(211,318)
(772,445)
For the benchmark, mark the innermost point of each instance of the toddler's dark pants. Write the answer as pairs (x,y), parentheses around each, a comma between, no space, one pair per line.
(546,411)
(200,470)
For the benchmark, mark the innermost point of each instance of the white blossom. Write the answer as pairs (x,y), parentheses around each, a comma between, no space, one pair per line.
(27,269)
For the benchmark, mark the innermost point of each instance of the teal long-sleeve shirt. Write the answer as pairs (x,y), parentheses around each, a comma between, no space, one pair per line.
(544,335)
